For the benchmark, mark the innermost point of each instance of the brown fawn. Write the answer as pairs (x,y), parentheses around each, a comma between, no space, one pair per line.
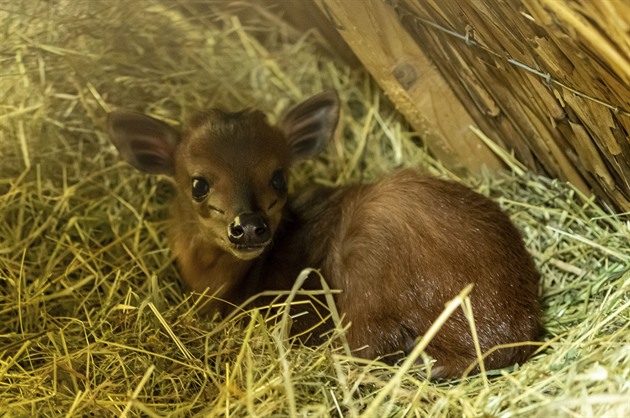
(398,249)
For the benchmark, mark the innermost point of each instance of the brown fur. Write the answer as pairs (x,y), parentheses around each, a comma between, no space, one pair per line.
(401,248)
(398,249)
(200,247)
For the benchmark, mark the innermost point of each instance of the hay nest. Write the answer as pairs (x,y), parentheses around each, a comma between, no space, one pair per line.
(93,319)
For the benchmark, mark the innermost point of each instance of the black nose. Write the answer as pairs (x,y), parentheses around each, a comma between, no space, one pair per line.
(249,229)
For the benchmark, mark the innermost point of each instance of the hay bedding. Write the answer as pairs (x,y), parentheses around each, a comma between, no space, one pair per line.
(93,322)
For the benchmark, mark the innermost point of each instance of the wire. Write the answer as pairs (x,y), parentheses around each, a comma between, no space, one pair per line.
(468,38)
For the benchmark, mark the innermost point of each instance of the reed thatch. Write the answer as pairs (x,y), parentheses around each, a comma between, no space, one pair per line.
(92,318)
(546,79)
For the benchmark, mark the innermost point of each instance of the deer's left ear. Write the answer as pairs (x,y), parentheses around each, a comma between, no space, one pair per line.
(309,126)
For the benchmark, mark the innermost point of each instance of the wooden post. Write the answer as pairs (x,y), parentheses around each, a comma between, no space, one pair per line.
(423,96)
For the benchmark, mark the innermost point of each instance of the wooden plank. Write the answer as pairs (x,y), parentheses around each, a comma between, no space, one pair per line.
(421,93)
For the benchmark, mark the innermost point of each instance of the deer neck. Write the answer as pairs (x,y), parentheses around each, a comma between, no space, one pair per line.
(205,268)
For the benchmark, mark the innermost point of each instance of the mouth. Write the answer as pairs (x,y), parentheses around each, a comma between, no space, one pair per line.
(248,252)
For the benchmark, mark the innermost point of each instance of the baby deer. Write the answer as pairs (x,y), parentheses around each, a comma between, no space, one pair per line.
(397,249)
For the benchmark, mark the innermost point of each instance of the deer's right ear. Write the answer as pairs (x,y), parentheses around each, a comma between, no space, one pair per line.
(310,125)
(144,142)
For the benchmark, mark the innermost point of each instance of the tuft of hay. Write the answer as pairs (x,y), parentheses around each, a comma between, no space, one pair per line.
(93,319)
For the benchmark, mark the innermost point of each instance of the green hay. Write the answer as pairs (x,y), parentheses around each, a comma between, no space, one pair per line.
(93,320)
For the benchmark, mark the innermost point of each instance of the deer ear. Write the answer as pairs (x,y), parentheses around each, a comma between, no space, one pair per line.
(310,125)
(144,142)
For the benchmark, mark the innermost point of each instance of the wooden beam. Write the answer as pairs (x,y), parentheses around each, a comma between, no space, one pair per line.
(422,95)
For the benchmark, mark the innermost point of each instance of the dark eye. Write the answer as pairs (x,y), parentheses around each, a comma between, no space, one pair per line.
(200,188)
(278,180)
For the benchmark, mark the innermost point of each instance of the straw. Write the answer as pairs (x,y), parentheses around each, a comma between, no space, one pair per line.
(94,322)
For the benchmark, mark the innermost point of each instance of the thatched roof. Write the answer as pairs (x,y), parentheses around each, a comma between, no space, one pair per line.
(547,79)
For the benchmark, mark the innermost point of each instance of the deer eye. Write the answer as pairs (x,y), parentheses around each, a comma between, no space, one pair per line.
(200,188)
(278,180)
